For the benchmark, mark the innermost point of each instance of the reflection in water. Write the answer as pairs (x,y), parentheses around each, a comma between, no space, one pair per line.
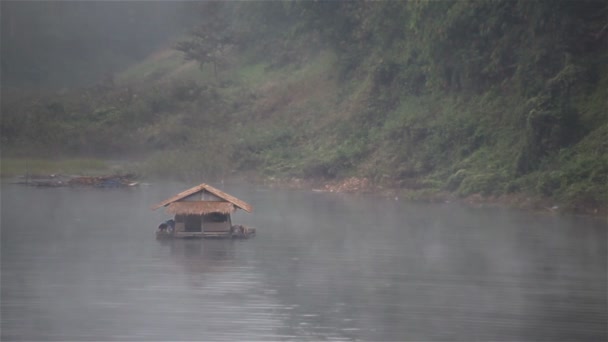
(230,297)
(85,266)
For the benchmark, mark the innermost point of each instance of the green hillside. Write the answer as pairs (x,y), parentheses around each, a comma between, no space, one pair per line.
(497,98)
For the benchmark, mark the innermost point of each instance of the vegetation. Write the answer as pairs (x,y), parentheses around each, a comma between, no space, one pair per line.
(489,97)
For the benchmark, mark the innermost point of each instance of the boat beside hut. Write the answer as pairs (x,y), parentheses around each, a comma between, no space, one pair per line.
(203,211)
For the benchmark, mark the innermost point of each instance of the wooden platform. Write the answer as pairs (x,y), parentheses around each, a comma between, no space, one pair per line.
(238,232)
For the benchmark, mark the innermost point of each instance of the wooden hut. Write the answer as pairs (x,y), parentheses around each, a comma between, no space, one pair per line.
(204,211)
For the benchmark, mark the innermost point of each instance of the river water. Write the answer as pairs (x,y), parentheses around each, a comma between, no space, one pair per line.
(83,264)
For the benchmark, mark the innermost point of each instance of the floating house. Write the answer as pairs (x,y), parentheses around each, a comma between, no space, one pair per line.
(204,211)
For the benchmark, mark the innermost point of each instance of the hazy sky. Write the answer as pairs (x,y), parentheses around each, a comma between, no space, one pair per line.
(59,43)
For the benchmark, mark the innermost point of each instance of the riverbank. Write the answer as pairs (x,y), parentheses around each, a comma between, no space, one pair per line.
(13,167)
(520,201)
(33,167)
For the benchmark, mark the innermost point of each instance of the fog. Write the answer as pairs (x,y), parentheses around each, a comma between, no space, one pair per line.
(83,264)
(339,96)
(66,43)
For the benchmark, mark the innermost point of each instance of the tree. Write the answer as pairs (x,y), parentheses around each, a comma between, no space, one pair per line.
(210,41)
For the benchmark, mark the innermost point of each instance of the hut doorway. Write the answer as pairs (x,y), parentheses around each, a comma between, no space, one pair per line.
(192,223)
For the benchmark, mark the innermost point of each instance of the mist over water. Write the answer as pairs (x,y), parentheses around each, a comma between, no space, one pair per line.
(83,264)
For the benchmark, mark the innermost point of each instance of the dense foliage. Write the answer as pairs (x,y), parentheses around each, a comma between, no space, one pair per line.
(490,97)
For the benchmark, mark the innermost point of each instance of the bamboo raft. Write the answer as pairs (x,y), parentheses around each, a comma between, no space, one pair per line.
(236,232)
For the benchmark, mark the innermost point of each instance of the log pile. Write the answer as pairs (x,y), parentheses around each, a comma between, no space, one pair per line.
(112,181)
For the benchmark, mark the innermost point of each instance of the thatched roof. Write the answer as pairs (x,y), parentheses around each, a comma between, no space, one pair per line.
(230,200)
(200,208)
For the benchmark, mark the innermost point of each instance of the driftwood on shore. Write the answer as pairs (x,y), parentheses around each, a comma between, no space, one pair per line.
(53,181)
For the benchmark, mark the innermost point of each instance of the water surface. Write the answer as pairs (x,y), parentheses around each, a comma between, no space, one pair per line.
(83,264)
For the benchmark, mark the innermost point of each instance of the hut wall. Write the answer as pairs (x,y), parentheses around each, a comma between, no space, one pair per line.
(180,225)
(216,222)
(216,226)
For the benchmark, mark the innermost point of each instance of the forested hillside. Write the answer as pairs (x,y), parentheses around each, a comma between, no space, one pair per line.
(467,97)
